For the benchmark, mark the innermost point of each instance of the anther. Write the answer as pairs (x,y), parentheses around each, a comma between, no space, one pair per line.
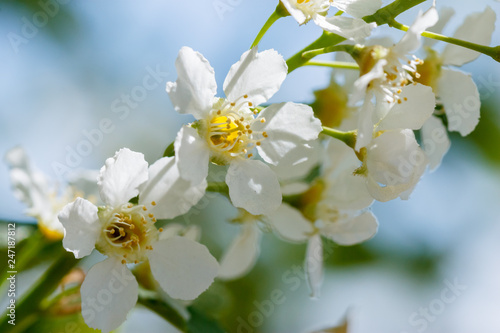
(153,203)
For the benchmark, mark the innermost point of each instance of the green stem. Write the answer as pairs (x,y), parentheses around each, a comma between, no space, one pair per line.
(29,305)
(493,52)
(335,48)
(387,14)
(382,16)
(349,138)
(270,21)
(165,311)
(326,39)
(333,64)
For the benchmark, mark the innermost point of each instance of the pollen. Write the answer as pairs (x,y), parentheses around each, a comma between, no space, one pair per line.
(153,203)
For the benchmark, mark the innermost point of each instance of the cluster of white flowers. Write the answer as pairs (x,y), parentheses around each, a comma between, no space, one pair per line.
(267,151)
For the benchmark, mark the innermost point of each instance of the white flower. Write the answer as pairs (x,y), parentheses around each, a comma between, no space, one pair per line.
(393,162)
(335,207)
(385,71)
(351,28)
(227,129)
(42,198)
(126,234)
(455,90)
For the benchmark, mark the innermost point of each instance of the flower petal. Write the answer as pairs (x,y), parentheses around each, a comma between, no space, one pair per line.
(358,8)
(365,124)
(435,141)
(395,164)
(347,191)
(411,40)
(314,264)
(29,185)
(242,254)
(417,105)
(121,176)
(287,126)
(361,84)
(477,28)
(195,88)
(298,162)
(192,155)
(290,224)
(191,232)
(256,75)
(81,227)
(352,231)
(296,13)
(173,196)
(351,28)
(460,99)
(109,292)
(253,186)
(182,267)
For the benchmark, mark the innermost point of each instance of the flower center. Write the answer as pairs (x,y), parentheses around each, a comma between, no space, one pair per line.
(229,133)
(398,72)
(128,232)
(430,70)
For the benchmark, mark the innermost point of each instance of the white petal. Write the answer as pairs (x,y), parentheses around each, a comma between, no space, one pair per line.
(195,88)
(297,14)
(314,264)
(81,227)
(395,164)
(411,40)
(290,224)
(121,176)
(191,232)
(192,155)
(347,27)
(347,191)
(253,186)
(445,14)
(477,28)
(242,254)
(358,8)
(109,292)
(417,105)
(173,195)
(299,161)
(435,141)
(182,267)
(352,231)
(338,156)
(29,185)
(287,125)
(365,125)
(460,99)
(257,75)
(361,84)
